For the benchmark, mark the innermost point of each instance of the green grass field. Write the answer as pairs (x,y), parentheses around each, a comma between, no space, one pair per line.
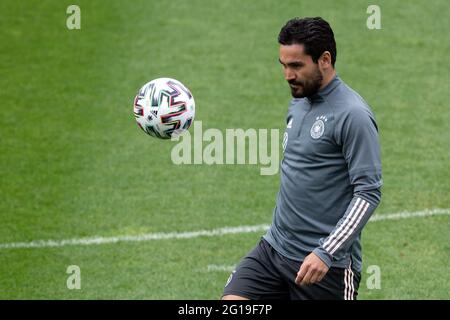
(74,164)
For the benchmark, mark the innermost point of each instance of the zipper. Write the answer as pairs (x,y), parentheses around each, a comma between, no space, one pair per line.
(303,120)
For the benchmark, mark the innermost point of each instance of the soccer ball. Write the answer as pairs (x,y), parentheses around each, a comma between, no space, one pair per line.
(164,107)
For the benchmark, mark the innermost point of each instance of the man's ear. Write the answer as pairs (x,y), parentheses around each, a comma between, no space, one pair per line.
(325,60)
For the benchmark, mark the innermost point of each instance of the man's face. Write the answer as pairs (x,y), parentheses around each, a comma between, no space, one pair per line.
(302,74)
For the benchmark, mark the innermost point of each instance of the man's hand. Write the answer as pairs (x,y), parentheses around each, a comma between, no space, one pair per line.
(311,271)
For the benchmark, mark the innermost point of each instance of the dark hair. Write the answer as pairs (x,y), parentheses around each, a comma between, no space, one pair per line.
(314,33)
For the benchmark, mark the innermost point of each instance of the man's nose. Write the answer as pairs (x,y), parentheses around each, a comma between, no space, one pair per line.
(289,74)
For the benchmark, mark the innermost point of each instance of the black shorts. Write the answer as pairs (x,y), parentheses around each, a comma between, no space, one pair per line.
(266,274)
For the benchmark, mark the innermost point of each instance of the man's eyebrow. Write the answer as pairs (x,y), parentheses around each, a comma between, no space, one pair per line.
(292,63)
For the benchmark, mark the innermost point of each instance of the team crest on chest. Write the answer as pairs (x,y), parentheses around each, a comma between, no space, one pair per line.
(318,127)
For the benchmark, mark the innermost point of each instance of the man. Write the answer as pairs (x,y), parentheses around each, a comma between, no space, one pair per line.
(330,180)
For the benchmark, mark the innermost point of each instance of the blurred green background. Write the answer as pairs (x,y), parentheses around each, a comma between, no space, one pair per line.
(74,164)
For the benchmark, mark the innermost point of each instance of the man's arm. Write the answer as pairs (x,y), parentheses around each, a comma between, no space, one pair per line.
(359,137)
(349,226)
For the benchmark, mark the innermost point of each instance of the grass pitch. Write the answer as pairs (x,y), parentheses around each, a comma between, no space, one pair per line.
(74,164)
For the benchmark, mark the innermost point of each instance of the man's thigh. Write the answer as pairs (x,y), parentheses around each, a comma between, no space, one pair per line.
(338,284)
(257,276)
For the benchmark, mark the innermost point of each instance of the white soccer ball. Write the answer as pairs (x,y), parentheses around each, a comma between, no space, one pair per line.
(164,107)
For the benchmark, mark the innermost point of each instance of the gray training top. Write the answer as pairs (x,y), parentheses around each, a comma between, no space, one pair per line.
(330,177)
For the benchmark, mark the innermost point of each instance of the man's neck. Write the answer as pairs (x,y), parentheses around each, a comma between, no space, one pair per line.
(327,78)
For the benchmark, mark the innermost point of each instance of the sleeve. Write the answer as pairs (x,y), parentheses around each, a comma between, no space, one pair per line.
(361,149)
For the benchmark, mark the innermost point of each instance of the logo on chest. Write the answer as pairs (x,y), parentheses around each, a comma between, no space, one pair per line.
(289,125)
(318,127)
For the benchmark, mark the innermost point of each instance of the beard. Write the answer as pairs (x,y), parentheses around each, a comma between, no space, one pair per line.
(307,87)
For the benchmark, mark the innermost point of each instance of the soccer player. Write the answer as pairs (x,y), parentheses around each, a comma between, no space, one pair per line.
(330,180)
